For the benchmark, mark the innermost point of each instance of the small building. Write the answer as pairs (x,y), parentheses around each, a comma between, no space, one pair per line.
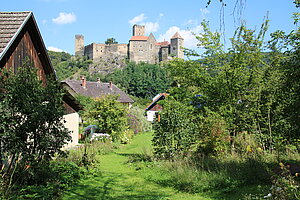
(21,42)
(153,109)
(96,89)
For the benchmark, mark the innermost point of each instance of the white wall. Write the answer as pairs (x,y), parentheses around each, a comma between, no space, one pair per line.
(72,123)
(151,115)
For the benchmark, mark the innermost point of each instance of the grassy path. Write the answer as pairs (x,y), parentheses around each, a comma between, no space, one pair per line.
(117,180)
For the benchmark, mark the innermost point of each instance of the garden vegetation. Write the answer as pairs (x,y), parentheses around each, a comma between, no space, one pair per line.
(232,119)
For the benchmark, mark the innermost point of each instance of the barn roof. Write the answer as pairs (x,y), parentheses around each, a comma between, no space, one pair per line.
(10,24)
(13,25)
(95,89)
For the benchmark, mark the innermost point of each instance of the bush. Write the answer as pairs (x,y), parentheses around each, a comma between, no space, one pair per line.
(109,115)
(175,132)
(46,181)
(137,120)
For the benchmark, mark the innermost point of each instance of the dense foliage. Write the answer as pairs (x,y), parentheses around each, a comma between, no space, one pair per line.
(111,41)
(141,80)
(108,114)
(244,86)
(70,67)
(31,128)
(240,94)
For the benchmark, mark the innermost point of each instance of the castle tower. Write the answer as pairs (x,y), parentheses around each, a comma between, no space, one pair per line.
(79,45)
(177,46)
(138,30)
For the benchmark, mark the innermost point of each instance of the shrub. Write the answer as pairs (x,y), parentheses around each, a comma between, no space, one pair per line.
(137,120)
(175,132)
(45,181)
(109,115)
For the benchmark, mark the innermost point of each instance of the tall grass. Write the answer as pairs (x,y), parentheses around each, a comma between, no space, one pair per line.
(86,154)
(247,167)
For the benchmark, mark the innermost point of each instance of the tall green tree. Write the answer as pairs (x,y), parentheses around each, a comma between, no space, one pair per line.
(111,41)
(141,80)
(108,114)
(31,118)
(241,84)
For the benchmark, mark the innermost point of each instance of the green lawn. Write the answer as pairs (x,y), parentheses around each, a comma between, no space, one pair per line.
(116,179)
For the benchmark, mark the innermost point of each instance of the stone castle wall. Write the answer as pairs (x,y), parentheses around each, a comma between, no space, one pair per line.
(96,51)
(141,48)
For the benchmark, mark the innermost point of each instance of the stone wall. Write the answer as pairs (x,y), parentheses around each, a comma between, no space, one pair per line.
(138,30)
(176,47)
(96,51)
(140,48)
(79,45)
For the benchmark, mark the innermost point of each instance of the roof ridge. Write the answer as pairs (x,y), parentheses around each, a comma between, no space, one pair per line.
(12,39)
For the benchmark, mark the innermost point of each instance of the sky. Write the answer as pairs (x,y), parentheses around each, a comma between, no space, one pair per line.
(60,20)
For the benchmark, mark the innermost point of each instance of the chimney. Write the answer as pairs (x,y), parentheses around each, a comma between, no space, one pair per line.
(83,81)
(98,82)
(110,85)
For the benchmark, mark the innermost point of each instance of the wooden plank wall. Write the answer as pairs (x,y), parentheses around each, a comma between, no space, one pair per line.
(25,53)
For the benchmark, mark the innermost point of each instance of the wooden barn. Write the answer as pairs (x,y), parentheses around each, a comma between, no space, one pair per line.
(21,43)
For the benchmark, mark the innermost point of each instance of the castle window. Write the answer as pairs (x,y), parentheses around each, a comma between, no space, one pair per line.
(150,46)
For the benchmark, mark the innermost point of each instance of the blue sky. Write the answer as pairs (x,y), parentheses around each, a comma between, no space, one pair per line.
(97,20)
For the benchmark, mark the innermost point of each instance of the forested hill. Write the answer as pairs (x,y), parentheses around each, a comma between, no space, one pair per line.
(139,80)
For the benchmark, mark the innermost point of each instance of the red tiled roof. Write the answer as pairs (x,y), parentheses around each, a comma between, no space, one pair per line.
(165,43)
(139,38)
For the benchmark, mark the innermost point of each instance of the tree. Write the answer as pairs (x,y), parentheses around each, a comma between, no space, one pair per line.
(108,114)
(111,41)
(141,80)
(70,67)
(31,120)
(174,134)
(240,85)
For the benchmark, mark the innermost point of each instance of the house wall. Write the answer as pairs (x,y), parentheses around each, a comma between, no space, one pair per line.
(151,115)
(71,122)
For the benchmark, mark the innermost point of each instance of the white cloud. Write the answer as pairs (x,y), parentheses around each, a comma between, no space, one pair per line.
(55,49)
(190,40)
(190,22)
(137,19)
(204,12)
(44,21)
(151,27)
(65,18)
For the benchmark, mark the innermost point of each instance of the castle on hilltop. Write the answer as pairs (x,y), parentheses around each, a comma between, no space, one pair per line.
(140,48)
